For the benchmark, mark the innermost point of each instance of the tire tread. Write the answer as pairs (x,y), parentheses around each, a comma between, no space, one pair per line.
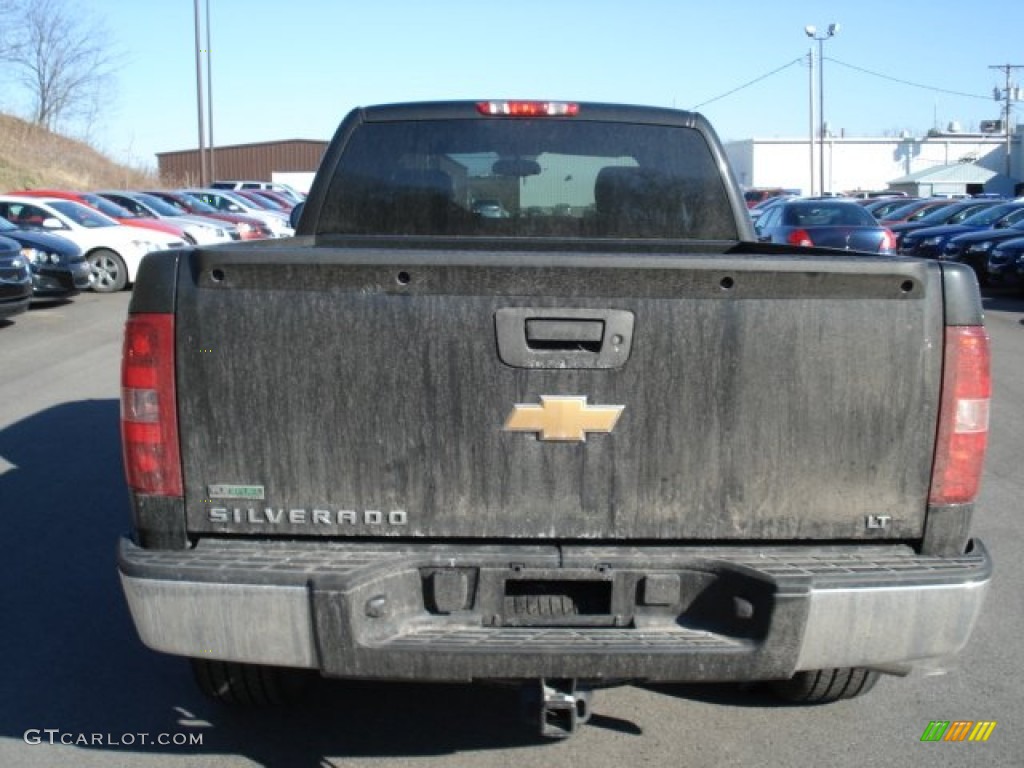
(824,686)
(245,685)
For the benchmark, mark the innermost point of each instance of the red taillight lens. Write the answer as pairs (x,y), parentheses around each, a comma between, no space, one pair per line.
(963,416)
(528,108)
(888,244)
(149,421)
(799,237)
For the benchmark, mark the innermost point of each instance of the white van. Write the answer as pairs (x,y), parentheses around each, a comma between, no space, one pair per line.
(289,192)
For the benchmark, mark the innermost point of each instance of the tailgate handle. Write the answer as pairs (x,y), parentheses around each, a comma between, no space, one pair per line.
(564,334)
(557,337)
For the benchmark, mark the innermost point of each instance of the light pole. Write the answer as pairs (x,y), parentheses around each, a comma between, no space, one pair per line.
(810,113)
(199,102)
(207,170)
(812,32)
(209,95)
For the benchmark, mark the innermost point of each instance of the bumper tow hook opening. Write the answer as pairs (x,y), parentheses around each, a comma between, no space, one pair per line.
(558,707)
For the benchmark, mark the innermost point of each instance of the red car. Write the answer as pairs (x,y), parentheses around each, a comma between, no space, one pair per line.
(760,194)
(259,200)
(249,228)
(114,211)
(286,203)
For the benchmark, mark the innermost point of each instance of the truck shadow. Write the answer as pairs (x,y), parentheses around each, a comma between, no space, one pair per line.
(72,662)
(55,302)
(756,695)
(1002,300)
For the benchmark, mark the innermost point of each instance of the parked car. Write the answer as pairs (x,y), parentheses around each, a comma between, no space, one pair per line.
(827,223)
(15,279)
(256,197)
(954,213)
(929,242)
(758,210)
(286,190)
(1005,266)
(490,209)
(914,210)
(974,248)
(106,207)
(883,207)
(198,230)
(59,270)
(226,200)
(112,250)
(282,200)
(249,228)
(759,194)
(866,196)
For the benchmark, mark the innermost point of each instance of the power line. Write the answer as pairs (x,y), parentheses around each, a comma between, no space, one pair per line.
(842,64)
(907,82)
(752,82)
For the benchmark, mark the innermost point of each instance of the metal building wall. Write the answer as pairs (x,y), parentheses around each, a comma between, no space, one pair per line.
(243,161)
(859,163)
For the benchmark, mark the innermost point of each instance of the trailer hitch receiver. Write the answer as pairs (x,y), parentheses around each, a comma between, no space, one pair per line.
(558,706)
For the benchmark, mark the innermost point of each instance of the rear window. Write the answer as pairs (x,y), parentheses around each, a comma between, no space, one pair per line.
(528,178)
(111,209)
(815,214)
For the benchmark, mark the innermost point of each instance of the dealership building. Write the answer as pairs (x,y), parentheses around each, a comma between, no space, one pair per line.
(291,161)
(941,163)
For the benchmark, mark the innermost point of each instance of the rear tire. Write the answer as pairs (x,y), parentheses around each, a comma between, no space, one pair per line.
(109,273)
(247,685)
(823,686)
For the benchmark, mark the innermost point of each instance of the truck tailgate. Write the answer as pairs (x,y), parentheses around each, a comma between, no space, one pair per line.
(366,392)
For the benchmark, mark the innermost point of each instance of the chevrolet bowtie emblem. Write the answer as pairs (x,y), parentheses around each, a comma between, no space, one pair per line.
(563,418)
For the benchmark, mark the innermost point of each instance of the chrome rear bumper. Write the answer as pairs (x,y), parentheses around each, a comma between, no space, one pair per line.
(462,613)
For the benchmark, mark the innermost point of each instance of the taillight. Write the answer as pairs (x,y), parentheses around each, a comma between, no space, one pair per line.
(888,241)
(799,237)
(963,416)
(149,421)
(528,108)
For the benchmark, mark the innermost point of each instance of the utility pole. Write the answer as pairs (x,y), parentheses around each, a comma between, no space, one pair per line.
(1010,93)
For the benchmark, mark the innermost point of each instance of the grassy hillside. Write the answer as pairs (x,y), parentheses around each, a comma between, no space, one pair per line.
(34,157)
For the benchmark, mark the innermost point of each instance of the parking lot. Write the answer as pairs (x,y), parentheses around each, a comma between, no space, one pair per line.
(82,690)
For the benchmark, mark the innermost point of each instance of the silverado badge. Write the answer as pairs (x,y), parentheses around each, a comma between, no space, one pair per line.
(563,418)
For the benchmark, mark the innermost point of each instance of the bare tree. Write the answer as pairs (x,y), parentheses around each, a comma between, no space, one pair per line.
(61,56)
(7,38)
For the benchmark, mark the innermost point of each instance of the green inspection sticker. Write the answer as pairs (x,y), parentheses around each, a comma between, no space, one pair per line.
(225,491)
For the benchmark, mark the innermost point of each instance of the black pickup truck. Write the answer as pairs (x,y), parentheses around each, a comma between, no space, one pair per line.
(523,401)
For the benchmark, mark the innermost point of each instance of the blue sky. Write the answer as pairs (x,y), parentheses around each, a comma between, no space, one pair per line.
(284,70)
